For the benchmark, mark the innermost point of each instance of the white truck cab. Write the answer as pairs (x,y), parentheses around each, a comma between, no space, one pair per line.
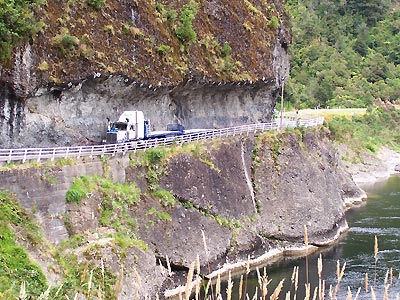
(130,126)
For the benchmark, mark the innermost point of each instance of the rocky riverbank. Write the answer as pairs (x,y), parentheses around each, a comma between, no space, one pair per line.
(369,168)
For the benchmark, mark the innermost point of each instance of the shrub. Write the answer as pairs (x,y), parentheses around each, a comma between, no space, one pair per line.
(163,48)
(160,7)
(171,15)
(65,42)
(274,22)
(154,156)
(80,189)
(96,4)
(161,215)
(185,31)
(75,195)
(226,50)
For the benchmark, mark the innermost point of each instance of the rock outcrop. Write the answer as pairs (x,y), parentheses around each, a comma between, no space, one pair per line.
(90,64)
(236,198)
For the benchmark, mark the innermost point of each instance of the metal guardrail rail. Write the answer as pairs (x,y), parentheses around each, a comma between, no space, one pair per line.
(38,154)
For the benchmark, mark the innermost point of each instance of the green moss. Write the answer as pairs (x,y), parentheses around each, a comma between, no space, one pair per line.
(160,215)
(229,223)
(166,198)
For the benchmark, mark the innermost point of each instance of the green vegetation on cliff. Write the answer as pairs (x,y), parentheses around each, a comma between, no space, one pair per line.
(151,41)
(16,268)
(17,24)
(344,53)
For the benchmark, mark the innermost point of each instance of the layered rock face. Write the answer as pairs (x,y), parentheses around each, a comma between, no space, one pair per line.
(78,115)
(236,198)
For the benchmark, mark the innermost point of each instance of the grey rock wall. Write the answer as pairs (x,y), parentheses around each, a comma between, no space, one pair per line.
(295,180)
(76,114)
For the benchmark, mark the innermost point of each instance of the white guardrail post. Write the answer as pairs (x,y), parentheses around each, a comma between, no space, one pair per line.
(8,155)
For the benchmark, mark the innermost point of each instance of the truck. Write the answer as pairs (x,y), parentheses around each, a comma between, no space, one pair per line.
(132,126)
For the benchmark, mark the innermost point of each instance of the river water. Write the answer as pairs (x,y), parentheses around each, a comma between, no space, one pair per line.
(379,216)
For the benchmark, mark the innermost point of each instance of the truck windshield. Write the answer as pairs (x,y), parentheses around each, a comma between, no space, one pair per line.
(119,126)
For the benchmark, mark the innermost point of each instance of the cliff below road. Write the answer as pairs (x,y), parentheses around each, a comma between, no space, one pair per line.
(132,215)
(203,64)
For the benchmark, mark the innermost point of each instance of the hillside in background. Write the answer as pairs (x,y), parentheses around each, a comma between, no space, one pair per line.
(344,53)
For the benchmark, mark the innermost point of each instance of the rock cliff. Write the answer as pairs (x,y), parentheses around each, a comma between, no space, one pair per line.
(241,197)
(200,63)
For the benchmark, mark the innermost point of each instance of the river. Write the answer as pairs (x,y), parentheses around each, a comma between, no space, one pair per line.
(379,216)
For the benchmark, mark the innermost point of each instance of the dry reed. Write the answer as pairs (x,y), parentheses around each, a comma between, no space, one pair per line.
(240,287)
(287,296)
(358,293)
(229,288)
(218,286)
(315,293)
(376,251)
(264,285)
(386,292)
(247,274)
(320,288)
(308,291)
(168,266)
(339,275)
(198,284)
(306,243)
(349,295)
(207,289)
(391,276)
(188,289)
(277,291)
(90,283)
(373,297)
(295,280)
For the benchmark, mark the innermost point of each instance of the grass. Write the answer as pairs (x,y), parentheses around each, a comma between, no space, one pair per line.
(327,113)
(376,128)
(165,197)
(15,264)
(34,164)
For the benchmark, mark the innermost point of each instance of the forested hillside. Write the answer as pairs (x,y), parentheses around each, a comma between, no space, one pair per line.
(344,53)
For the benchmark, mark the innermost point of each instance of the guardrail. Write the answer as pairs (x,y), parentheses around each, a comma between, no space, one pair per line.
(38,154)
